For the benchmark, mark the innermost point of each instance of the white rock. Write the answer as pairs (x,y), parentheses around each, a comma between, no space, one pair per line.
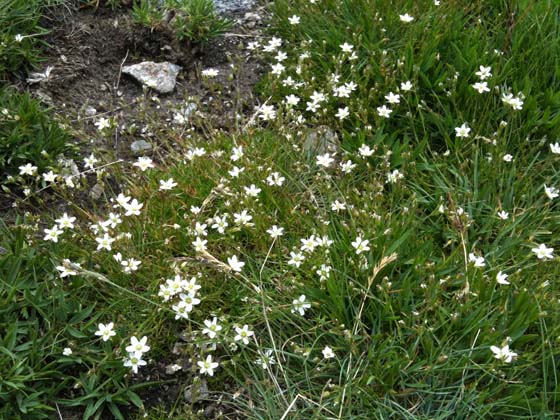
(158,76)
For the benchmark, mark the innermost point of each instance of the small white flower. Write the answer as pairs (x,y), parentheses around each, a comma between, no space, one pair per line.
(296,259)
(325,160)
(406,18)
(199,244)
(144,163)
(342,113)
(361,245)
(49,176)
(501,278)
(555,148)
(328,353)
(504,354)
(294,20)
(66,222)
(134,361)
(551,192)
(212,328)
(27,169)
(210,73)
(235,264)
(300,305)
(103,123)
(133,208)
(383,111)
(365,150)
(476,260)
(207,367)
(507,158)
(243,334)
(504,215)
(406,86)
(337,206)
(167,185)
(105,331)
(462,131)
(481,87)
(104,242)
(138,346)
(484,72)
(275,231)
(52,234)
(543,252)
(347,48)
(67,351)
(252,190)
(393,98)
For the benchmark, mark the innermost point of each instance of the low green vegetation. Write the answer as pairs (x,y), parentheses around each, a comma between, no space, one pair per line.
(192,21)
(378,240)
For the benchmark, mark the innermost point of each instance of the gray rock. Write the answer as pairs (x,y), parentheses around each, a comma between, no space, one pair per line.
(201,392)
(158,76)
(96,191)
(139,147)
(321,140)
(229,6)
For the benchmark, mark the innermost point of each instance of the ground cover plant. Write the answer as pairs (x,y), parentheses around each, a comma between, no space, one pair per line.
(378,239)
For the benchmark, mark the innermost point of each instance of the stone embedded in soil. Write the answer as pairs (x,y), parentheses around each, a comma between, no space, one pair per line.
(321,140)
(229,6)
(139,147)
(158,76)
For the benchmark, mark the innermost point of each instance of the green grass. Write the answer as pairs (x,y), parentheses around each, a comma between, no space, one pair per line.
(411,320)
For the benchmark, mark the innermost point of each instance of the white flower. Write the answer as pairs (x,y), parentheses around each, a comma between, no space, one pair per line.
(300,305)
(383,111)
(67,351)
(555,148)
(18,38)
(481,87)
(220,223)
(328,353)
(235,264)
(347,166)
(138,346)
(130,265)
(361,245)
(105,331)
(294,20)
(211,72)
(504,354)
(90,161)
(49,176)
(199,244)
(325,160)
(167,185)
(144,163)
(484,72)
(504,215)
(337,206)
(212,328)
(507,158)
(243,218)
(252,190)
(292,100)
(266,360)
(393,98)
(406,86)
(267,112)
(207,367)
(477,261)
(243,334)
(551,192)
(543,252)
(133,208)
(104,242)
(277,69)
(296,259)
(275,231)
(347,48)
(365,150)
(501,278)
(309,244)
(236,153)
(66,221)
(65,270)
(406,18)
(462,131)
(103,123)
(235,171)
(275,179)
(52,234)
(342,113)
(27,169)
(134,361)
(394,177)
